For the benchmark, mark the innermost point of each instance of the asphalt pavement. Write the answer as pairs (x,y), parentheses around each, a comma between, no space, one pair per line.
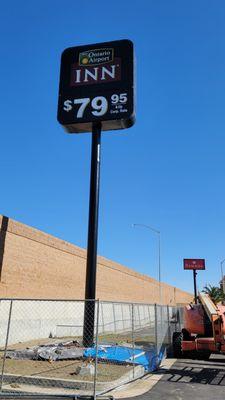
(189,380)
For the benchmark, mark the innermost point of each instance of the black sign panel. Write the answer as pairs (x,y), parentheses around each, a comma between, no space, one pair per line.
(97,85)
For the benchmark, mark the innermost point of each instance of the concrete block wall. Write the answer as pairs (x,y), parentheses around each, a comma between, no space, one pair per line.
(34,264)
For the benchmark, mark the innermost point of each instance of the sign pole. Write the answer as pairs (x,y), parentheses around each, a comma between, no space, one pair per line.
(96,93)
(90,288)
(195,286)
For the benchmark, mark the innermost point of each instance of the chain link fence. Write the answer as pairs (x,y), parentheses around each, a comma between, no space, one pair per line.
(77,347)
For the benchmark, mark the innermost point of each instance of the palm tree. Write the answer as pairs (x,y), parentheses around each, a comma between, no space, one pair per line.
(214,292)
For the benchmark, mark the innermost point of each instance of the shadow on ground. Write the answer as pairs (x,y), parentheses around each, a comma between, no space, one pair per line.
(189,379)
(195,372)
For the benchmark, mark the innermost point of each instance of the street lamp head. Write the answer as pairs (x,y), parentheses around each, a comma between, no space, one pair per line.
(148,227)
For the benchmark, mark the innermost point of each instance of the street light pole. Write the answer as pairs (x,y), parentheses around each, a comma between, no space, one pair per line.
(159,254)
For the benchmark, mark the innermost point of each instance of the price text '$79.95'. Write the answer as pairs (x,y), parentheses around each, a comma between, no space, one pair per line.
(99,104)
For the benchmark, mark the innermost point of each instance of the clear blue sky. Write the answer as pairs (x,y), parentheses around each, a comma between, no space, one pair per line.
(167,171)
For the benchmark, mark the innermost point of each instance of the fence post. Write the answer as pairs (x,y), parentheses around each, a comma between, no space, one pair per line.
(96,348)
(132,333)
(139,316)
(181,318)
(156,329)
(149,316)
(169,328)
(6,344)
(103,322)
(175,312)
(114,317)
(123,319)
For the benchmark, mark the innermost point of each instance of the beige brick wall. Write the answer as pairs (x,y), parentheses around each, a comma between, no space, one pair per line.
(37,265)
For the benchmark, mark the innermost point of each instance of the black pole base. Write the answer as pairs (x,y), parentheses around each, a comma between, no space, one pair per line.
(89,323)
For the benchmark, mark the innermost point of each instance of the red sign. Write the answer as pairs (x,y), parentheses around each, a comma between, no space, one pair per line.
(190,263)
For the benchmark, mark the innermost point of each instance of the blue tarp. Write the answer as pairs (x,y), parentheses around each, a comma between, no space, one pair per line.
(123,354)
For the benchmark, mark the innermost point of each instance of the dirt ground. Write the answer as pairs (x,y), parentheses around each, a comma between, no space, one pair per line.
(139,339)
(60,369)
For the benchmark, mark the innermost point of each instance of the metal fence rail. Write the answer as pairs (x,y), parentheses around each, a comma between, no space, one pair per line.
(42,345)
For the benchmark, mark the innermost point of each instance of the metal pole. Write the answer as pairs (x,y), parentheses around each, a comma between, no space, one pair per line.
(90,289)
(6,344)
(169,327)
(222,276)
(103,325)
(132,313)
(195,286)
(114,317)
(159,255)
(160,286)
(149,316)
(156,329)
(96,349)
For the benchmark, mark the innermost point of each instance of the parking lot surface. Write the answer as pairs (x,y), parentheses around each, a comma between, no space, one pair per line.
(190,380)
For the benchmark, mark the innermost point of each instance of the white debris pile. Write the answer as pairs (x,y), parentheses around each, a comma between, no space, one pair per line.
(49,352)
